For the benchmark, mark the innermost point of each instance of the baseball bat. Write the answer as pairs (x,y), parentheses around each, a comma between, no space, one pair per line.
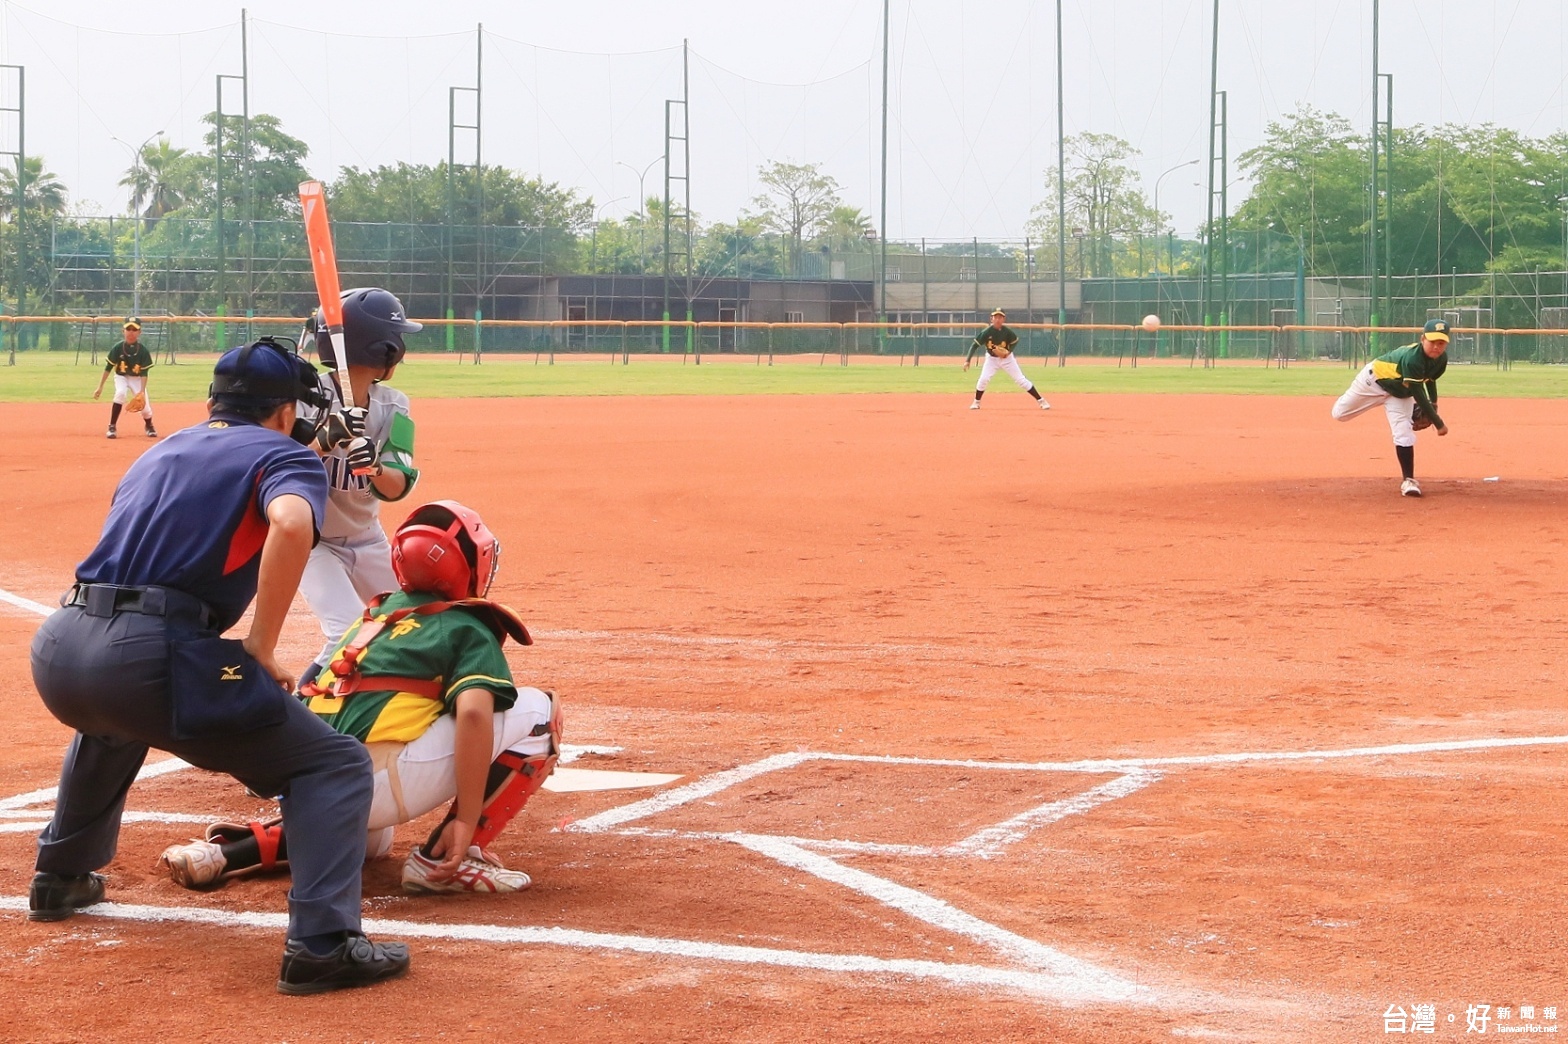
(324,266)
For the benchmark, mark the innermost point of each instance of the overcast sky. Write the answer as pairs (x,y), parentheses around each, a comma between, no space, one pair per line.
(575,91)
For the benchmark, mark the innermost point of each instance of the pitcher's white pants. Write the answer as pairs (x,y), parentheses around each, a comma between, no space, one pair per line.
(1009,365)
(414,778)
(1364,394)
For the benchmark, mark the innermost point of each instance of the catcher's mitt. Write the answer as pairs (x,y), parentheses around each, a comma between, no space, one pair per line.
(136,402)
(1419,418)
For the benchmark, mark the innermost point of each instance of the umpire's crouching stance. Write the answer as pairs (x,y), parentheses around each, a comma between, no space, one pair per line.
(222,512)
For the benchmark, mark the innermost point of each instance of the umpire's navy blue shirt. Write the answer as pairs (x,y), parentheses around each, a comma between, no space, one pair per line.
(191,513)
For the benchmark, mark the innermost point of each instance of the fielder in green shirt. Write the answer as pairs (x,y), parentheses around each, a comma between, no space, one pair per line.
(1404,383)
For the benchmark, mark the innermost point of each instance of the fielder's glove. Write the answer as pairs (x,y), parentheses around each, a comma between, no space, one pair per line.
(1000,351)
(362,457)
(1419,418)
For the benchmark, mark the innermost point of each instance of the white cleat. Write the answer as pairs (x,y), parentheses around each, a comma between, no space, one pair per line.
(975,405)
(197,864)
(1044,405)
(1410,488)
(473,875)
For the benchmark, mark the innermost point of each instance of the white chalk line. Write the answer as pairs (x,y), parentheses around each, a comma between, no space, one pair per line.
(1041,984)
(1080,977)
(990,842)
(25,603)
(694,791)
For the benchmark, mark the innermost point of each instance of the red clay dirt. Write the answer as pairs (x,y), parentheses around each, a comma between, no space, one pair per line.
(716,580)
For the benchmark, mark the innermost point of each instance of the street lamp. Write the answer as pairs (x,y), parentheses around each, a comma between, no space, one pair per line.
(1157,213)
(136,236)
(642,200)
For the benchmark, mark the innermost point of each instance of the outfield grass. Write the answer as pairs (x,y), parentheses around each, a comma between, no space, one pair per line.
(46,377)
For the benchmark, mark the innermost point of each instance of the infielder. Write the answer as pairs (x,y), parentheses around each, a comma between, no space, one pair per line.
(219,515)
(129,361)
(421,681)
(353,562)
(998,343)
(1404,383)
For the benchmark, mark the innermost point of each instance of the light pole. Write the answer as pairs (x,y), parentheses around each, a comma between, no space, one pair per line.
(136,233)
(1157,214)
(642,200)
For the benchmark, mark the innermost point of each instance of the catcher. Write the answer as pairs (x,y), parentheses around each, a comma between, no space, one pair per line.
(998,342)
(129,361)
(421,681)
(1404,383)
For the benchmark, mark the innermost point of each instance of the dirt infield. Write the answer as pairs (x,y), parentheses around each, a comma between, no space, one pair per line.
(1142,718)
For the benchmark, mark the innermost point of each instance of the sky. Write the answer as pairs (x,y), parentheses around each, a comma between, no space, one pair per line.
(576,93)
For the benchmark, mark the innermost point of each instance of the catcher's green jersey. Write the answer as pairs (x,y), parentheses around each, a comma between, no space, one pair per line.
(453,647)
(996,336)
(128,360)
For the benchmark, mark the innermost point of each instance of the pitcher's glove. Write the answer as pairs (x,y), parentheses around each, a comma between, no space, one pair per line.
(1419,418)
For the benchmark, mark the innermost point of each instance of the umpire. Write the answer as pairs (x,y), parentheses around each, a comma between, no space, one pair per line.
(223,512)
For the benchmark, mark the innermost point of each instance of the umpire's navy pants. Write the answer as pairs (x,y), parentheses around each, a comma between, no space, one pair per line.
(107,677)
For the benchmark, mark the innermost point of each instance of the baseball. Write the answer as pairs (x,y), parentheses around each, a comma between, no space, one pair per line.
(1151,322)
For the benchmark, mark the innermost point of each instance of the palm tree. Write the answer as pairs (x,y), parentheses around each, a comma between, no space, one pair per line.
(42,192)
(152,181)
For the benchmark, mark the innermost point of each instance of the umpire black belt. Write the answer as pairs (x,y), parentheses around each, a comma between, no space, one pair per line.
(108,599)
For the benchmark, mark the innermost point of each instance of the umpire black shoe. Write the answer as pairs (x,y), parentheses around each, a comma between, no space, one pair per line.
(54,897)
(356,962)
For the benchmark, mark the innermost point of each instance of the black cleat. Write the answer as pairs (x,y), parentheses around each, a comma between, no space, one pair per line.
(151,432)
(356,962)
(111,431)
(54,897)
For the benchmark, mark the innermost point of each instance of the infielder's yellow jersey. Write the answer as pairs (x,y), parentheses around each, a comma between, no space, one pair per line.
(454,647)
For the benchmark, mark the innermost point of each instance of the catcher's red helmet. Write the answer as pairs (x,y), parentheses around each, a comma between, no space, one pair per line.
(444,548)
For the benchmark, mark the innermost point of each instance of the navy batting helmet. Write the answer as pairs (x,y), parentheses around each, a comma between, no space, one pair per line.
(373,327)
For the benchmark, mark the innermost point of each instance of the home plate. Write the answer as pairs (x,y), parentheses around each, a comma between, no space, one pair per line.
(575,780)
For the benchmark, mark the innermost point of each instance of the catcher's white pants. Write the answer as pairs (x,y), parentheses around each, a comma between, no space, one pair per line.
(1364,394)
(417,777)
(1008,365)
(341,577)
(126,387)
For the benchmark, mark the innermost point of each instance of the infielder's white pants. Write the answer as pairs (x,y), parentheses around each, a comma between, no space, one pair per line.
(341,577)
(125,387)
(1008,365)
(414,778)
(1365,393)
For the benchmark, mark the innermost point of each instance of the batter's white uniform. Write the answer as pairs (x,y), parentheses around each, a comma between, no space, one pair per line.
(1365,393)
(420,776)
(1008,365)
(127,387)
(353,561)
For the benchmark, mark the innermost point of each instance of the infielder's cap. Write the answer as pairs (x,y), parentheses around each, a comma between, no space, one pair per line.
(133,323)
(998,311)
(1436,330)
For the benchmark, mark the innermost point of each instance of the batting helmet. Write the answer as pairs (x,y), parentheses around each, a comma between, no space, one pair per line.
(444,548)
(373,327)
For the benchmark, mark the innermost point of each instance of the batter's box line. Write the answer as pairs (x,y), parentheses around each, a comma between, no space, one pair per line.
(972,976)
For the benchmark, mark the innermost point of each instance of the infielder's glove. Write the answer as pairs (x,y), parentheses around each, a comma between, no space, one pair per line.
(1419,418)
(1000,351)
(136,402)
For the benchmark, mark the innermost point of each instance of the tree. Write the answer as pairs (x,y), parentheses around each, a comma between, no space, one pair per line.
(1103,197)
(158,182)
(30,197)
(846,230)
(798,201)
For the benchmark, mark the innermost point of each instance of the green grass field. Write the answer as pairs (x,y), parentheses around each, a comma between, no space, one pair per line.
(46,377)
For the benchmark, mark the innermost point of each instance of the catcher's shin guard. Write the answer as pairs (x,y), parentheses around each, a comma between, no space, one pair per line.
(513,779)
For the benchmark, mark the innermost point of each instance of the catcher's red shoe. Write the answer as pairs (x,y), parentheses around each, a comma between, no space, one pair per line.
(473,875)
